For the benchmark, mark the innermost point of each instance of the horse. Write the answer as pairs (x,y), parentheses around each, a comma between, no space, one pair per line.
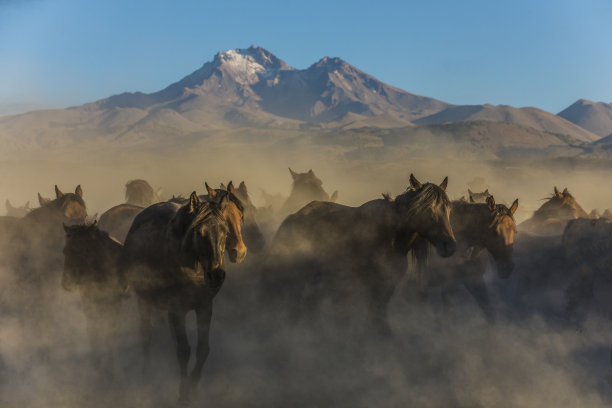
(588,248)
(17,211)
(328,250)
(33,253)
(306,187)
(174,260)
(91,266)
(140,193)
(478,197)
(117,220)
(553,215)
(479,228)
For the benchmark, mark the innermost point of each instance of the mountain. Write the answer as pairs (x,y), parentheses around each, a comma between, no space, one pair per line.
(246,83)
(531,117)
(593,116)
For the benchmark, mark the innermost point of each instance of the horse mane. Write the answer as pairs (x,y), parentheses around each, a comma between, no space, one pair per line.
(417,202)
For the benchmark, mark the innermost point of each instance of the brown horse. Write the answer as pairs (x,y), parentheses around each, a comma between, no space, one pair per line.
(33,253)
(118,220)
(553,215)
(174,260)
(91,266)
(479,228)
(306,187)
(253,237)
(328,250)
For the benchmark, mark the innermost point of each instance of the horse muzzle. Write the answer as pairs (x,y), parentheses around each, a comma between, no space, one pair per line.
(446,247)
(237,256)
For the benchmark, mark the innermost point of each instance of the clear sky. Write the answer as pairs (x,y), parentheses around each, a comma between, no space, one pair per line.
(546,54)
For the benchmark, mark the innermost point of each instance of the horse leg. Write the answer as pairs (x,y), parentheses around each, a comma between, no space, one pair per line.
(144,310)
(478,289)
(203,315)
(179,333)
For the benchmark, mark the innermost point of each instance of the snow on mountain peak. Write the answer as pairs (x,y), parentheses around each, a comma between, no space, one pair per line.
(247,66)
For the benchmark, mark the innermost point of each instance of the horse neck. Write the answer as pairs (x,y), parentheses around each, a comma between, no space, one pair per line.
(470,222)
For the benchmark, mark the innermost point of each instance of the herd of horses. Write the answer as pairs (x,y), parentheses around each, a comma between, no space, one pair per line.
(171,255)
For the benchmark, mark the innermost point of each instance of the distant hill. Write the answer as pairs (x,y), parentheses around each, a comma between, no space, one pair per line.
(531,117)
(596,117)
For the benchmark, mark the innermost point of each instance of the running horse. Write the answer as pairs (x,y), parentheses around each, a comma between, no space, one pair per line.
(479,228)
(354,254)
(174,260)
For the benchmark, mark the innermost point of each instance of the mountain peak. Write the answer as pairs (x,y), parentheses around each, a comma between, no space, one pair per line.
(248,65)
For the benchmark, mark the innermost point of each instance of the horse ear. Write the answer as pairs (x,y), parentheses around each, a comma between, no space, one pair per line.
(230,188)
(334,197)
(444,184)
(79,191)
(8,205)
(310,171)
(242,188)
(472,199)
(293,173)
(95,224)
(557,193)
(565,192)
(491,203)
(513,207)
(222,186)
(211,191)
(470,192)
(194,202)
(387,197)
(41,200)
(486,191)
(414,183)
(58,192)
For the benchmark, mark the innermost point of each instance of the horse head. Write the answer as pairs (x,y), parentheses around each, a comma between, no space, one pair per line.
(499,236)
(425,209)
(233,213)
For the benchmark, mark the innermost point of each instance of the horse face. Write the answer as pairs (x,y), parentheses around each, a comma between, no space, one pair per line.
(427,211)
(71,206)
(236,249)
(208,243)
(500,239)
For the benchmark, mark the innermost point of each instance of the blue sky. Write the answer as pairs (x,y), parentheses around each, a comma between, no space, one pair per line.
(522,53)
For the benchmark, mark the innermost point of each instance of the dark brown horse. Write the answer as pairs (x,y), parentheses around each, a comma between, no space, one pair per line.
(552,217)
(174,260)
(479,228)
(328,250)
(588,249)
(118,220)
(91,266)
(306,187)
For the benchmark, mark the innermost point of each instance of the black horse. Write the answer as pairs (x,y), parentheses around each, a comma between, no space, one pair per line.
(174,260)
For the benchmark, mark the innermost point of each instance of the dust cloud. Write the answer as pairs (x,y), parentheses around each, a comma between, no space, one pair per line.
(533,356)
